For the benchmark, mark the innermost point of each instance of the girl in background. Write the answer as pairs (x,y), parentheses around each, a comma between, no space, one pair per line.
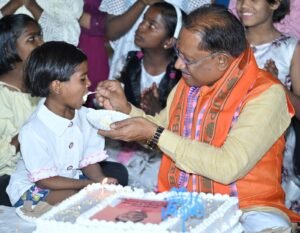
(149,74)
(58,144)
(148,77)
(289,24)
(124,16)
(19,35)
(279,54)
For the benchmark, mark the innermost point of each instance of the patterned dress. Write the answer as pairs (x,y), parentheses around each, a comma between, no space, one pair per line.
(285,46)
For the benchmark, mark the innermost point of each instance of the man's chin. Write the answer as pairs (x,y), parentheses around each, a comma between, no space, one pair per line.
(188,79)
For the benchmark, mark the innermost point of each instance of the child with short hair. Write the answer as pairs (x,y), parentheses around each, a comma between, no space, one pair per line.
(19,35)
(58,144)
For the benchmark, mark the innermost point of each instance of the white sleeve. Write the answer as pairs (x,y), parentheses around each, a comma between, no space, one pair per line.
(93,143)
(37,159)
(62,24)
(115,7)
(59,19)
(59,29)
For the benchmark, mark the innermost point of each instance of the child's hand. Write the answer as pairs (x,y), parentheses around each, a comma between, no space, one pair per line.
(150,100)
(270,66)
(110,180)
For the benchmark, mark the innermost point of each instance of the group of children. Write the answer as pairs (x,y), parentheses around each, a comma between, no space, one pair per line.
(47,145)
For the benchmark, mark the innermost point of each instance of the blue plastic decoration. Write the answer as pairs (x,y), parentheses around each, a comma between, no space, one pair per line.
(183,204)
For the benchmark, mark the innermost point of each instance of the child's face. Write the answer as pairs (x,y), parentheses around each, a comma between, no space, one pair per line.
(74,89)
(29,39)
(255,12)
(151,32)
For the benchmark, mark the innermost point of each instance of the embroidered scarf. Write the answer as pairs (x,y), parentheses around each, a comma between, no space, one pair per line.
(220,103)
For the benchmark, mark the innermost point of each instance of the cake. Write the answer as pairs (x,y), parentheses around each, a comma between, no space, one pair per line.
(108,208)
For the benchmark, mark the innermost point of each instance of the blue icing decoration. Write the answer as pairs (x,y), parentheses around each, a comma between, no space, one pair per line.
(184,204)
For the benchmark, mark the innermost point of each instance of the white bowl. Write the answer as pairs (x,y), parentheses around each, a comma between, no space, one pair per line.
(102,119)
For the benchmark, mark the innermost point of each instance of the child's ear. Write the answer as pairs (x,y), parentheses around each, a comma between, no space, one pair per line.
(169,43)
(55,87)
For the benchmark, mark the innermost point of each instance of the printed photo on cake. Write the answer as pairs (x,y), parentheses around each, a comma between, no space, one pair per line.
(134,210)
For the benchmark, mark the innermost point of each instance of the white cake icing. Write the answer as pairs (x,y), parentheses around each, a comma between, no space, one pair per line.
(221,213)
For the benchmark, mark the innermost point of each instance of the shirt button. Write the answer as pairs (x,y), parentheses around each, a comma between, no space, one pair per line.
(71,145)
(70,167)
(71,124)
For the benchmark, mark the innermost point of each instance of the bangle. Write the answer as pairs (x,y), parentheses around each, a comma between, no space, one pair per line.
(152,143)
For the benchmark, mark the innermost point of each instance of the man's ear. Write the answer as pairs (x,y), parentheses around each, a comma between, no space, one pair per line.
(55,87)
(223,61)
(169,43)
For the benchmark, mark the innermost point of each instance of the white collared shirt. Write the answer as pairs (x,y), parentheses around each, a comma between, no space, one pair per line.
(54,146)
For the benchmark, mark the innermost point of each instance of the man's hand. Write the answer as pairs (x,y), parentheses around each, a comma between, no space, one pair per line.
(132,129)
(110,95)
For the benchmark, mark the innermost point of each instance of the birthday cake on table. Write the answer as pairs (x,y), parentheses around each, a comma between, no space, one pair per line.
(110,208)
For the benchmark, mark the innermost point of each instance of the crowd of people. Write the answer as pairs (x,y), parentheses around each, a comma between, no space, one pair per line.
(213,95)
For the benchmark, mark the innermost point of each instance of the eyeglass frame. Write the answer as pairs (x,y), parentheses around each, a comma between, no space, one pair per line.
(189,63)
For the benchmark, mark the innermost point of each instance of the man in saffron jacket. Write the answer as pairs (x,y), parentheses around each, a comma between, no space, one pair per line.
(222,130)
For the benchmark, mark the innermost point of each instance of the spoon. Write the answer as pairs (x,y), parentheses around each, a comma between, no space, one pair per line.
(87,94)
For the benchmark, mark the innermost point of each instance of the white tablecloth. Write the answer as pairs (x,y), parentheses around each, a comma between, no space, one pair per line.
(10,222)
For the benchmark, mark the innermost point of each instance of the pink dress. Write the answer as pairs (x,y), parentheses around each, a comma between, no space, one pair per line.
(289,25)
(92,42)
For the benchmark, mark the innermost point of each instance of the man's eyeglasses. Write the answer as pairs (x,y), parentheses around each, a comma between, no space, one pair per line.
(189,63)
